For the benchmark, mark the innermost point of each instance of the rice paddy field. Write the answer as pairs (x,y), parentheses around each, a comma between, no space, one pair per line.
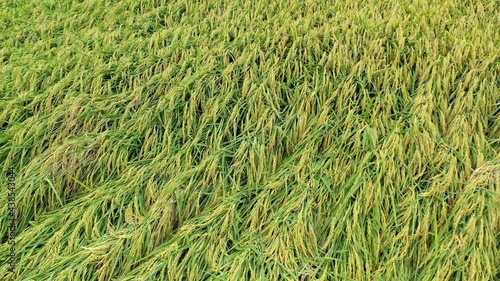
(250,140)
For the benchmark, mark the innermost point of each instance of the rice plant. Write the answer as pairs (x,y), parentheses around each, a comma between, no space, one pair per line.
(251,140)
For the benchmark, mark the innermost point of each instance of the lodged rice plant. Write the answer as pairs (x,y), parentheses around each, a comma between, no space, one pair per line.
(251,140)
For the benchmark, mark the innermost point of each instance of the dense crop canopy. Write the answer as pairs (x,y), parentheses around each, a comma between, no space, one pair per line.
(251,140)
